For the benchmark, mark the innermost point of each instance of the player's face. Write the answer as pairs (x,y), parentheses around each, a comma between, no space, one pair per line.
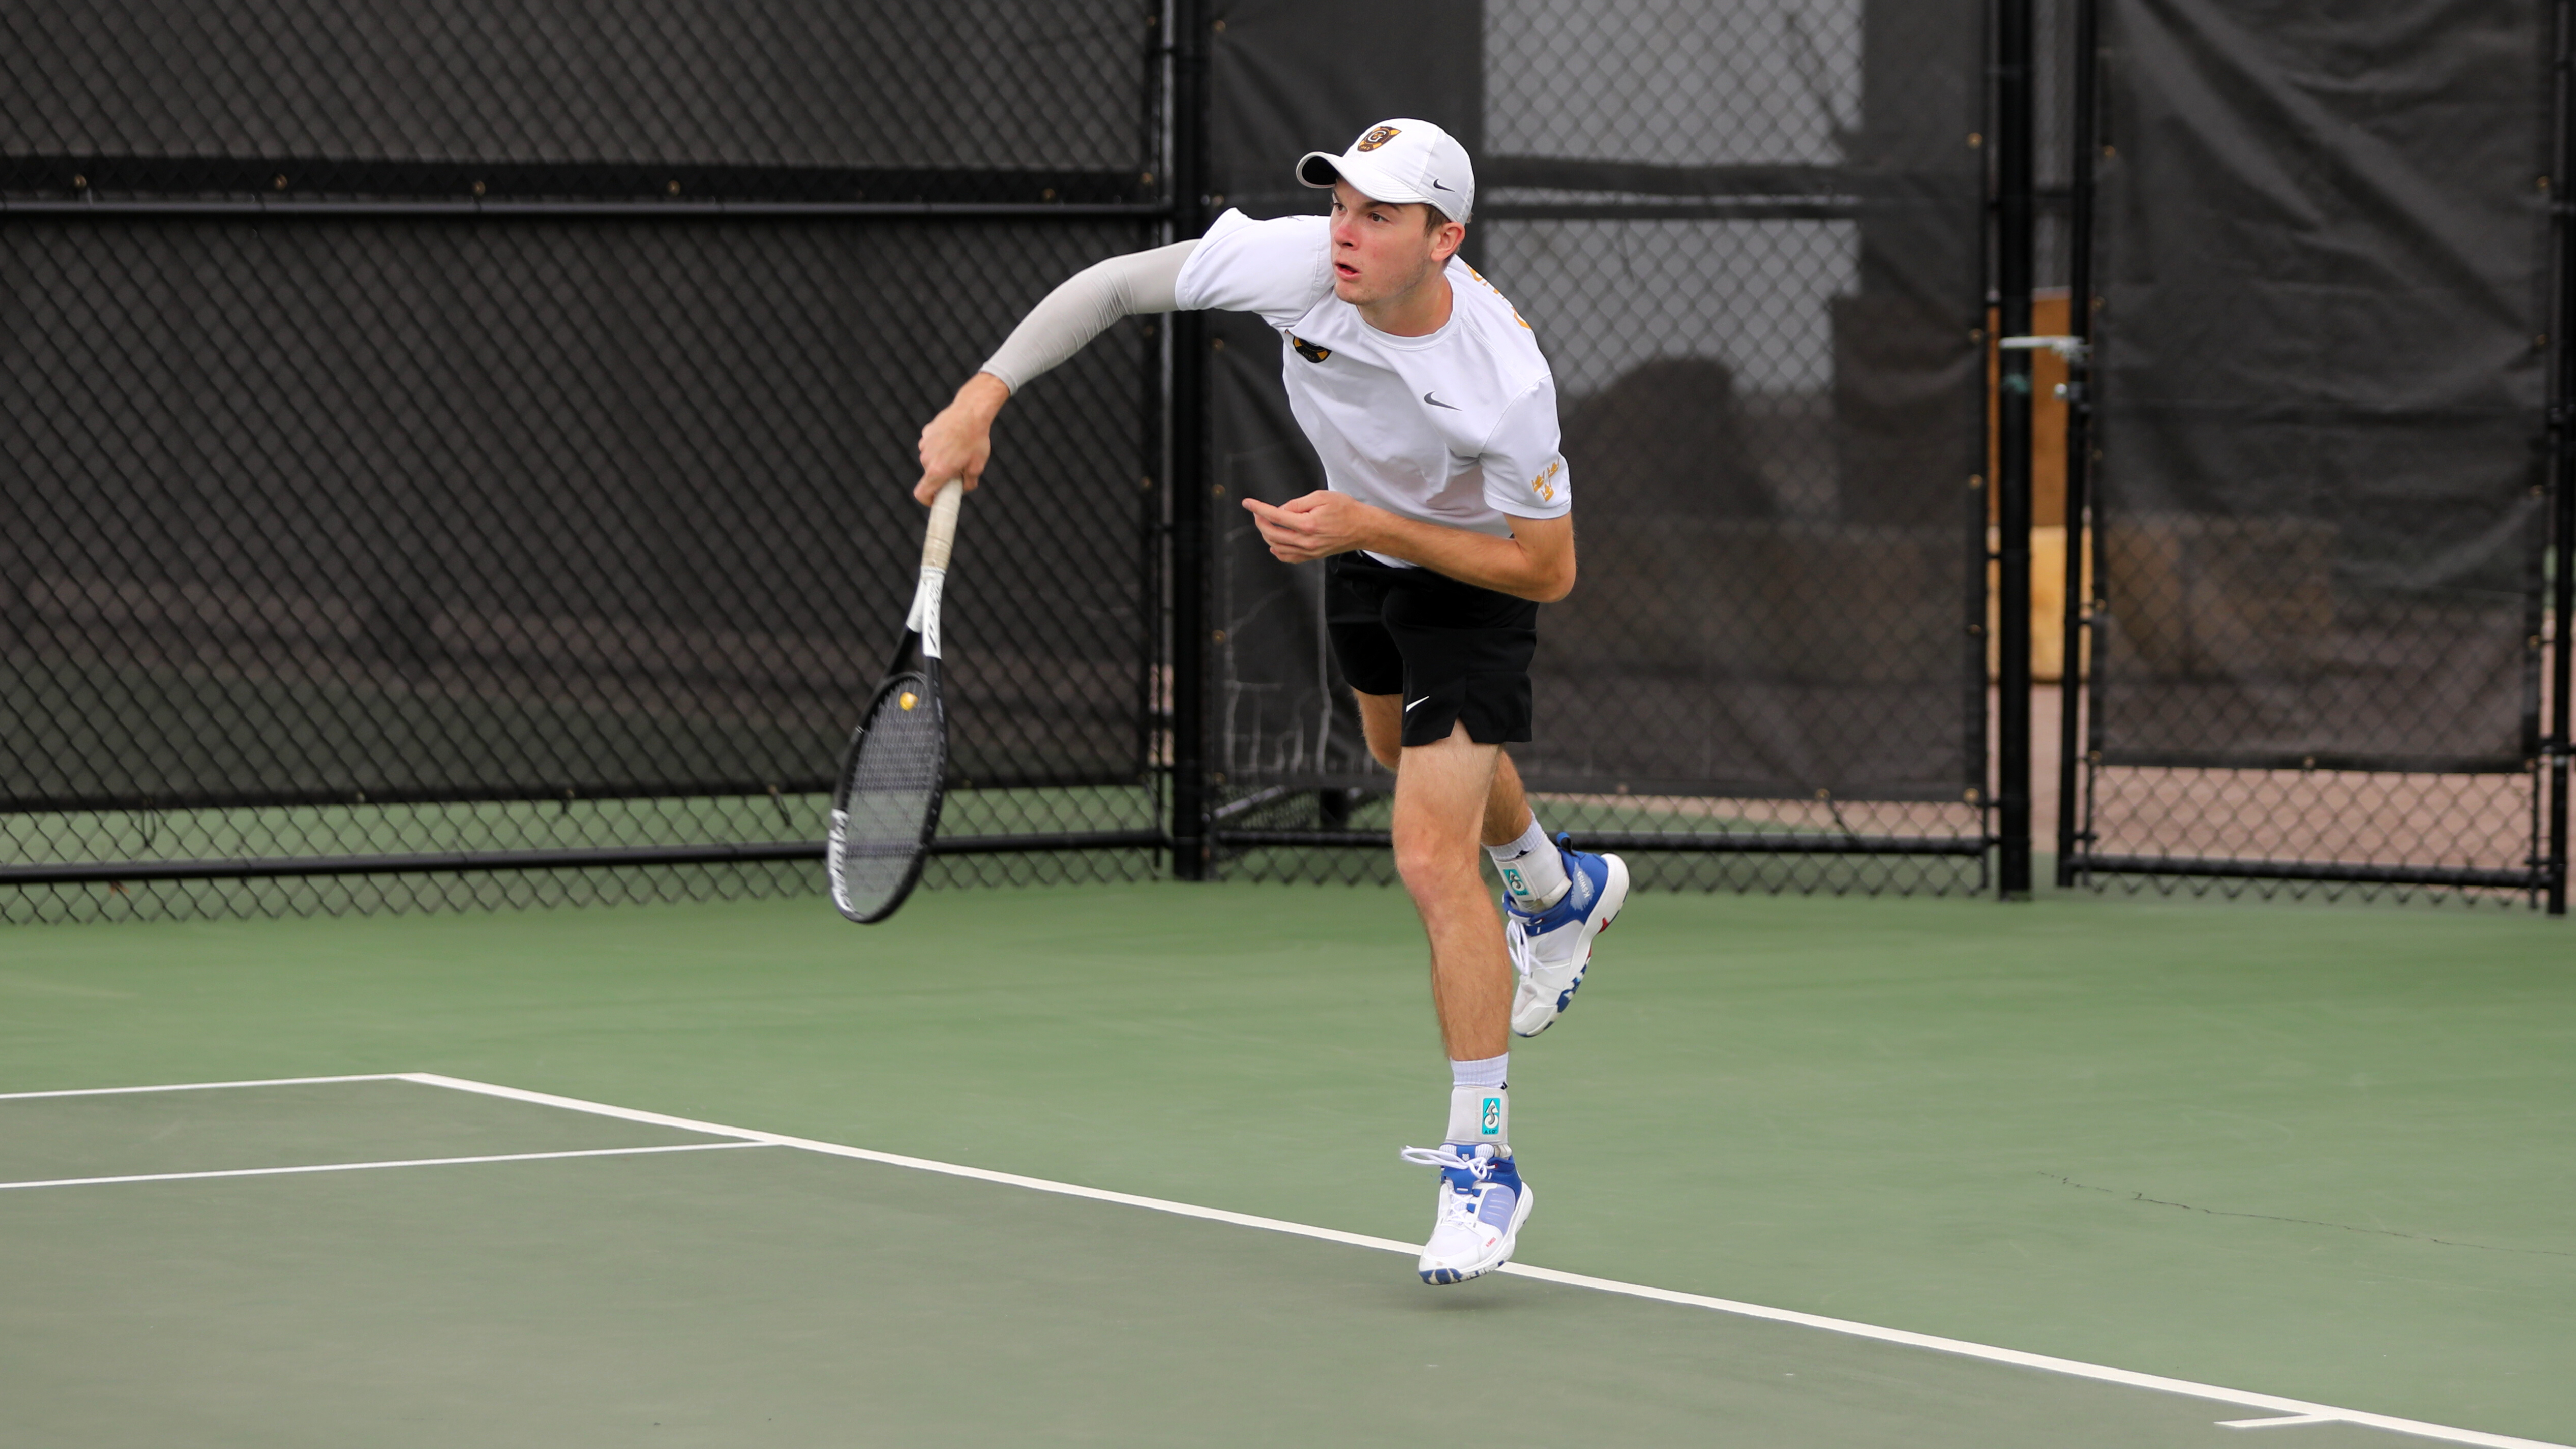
(1381,249)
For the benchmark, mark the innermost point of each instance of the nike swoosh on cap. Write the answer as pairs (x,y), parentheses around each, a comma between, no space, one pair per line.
(1437,403)
(1437,186)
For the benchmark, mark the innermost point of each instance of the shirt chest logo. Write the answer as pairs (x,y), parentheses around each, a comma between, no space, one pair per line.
(1308,350)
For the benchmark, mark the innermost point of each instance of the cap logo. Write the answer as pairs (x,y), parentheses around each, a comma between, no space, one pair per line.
(1376,138)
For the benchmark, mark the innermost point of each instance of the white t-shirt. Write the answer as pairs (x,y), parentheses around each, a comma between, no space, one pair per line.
(1457,427)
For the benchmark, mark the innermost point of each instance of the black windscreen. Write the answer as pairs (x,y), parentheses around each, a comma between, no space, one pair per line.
(768,83)
(1751,245)
(318,509)
(2324,251)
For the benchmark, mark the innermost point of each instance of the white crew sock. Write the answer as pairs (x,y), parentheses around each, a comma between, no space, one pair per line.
(1480,1103)
(1531,869)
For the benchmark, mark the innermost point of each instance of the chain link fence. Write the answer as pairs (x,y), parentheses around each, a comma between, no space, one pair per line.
(459,453)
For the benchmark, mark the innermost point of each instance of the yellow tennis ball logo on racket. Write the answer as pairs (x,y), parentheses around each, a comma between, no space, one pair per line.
(907,699)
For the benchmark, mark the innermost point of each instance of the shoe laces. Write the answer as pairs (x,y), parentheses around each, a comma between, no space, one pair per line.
(1516,943)
(1464,1175)
(1450,1157)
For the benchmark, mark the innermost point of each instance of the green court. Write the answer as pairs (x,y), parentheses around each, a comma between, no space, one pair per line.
(2315,1161)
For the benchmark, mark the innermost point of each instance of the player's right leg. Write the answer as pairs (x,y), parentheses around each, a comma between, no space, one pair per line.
(1382,724)
(1556,900)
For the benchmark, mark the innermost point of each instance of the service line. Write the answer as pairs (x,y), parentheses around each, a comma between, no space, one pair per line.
(206,1086)
(364,1166)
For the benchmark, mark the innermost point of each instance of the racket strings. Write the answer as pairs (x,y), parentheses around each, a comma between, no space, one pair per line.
(885,810)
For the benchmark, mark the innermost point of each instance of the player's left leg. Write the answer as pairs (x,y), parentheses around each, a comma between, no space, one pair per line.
(1440,793)
(1440,671)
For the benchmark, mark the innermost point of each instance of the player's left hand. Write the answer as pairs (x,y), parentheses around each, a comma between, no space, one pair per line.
(1318,525)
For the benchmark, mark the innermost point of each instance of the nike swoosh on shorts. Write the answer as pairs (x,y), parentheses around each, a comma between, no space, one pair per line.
(1426,699)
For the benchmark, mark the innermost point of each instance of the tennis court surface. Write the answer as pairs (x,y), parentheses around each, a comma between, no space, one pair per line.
(1118,1166)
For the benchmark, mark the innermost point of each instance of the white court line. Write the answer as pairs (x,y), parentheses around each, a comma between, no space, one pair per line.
(363,1166)
(2291,1411)
(2294,1408)
(203,1086)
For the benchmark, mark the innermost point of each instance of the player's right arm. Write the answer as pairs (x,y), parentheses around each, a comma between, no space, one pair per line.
(958,442)
(1276,269)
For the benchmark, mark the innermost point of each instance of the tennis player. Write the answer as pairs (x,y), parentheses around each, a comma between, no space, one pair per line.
(1446,522)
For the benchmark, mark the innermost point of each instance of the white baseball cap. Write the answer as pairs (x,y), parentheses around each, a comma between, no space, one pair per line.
(1401,161)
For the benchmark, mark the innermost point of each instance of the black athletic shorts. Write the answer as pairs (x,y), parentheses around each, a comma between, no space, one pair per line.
(1454,651)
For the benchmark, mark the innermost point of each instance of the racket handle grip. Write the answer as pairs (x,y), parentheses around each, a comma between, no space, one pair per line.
(943,525)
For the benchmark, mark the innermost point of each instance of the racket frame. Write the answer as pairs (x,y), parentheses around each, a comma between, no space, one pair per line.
(915,658)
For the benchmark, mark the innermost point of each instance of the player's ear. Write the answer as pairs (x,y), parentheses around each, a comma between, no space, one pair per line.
(1446,239)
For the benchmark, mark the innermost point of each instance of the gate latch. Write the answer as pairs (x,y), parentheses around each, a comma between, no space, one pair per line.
(2073,349)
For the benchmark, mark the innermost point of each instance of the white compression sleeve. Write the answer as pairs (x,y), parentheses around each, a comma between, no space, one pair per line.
(1088,304)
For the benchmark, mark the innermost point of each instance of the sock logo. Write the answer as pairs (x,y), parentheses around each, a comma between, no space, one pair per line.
(1493,1125)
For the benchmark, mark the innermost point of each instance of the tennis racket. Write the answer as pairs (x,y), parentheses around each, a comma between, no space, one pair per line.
(885,802)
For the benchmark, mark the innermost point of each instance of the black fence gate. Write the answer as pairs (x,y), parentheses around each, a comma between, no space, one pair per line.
(1752,241)
(2327,446)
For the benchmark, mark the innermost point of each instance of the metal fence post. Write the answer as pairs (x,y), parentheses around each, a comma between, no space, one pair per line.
(1154,462)
(2074,679)
(2562,467)
(2012,481)
(1189,414)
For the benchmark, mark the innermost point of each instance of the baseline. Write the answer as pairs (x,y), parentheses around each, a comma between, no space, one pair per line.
(2290,1410)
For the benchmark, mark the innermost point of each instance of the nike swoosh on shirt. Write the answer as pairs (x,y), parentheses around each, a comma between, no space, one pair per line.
(1437,403)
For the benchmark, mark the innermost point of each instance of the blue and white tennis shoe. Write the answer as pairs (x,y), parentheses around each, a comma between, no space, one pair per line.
(1552,948)
(1483,1203)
